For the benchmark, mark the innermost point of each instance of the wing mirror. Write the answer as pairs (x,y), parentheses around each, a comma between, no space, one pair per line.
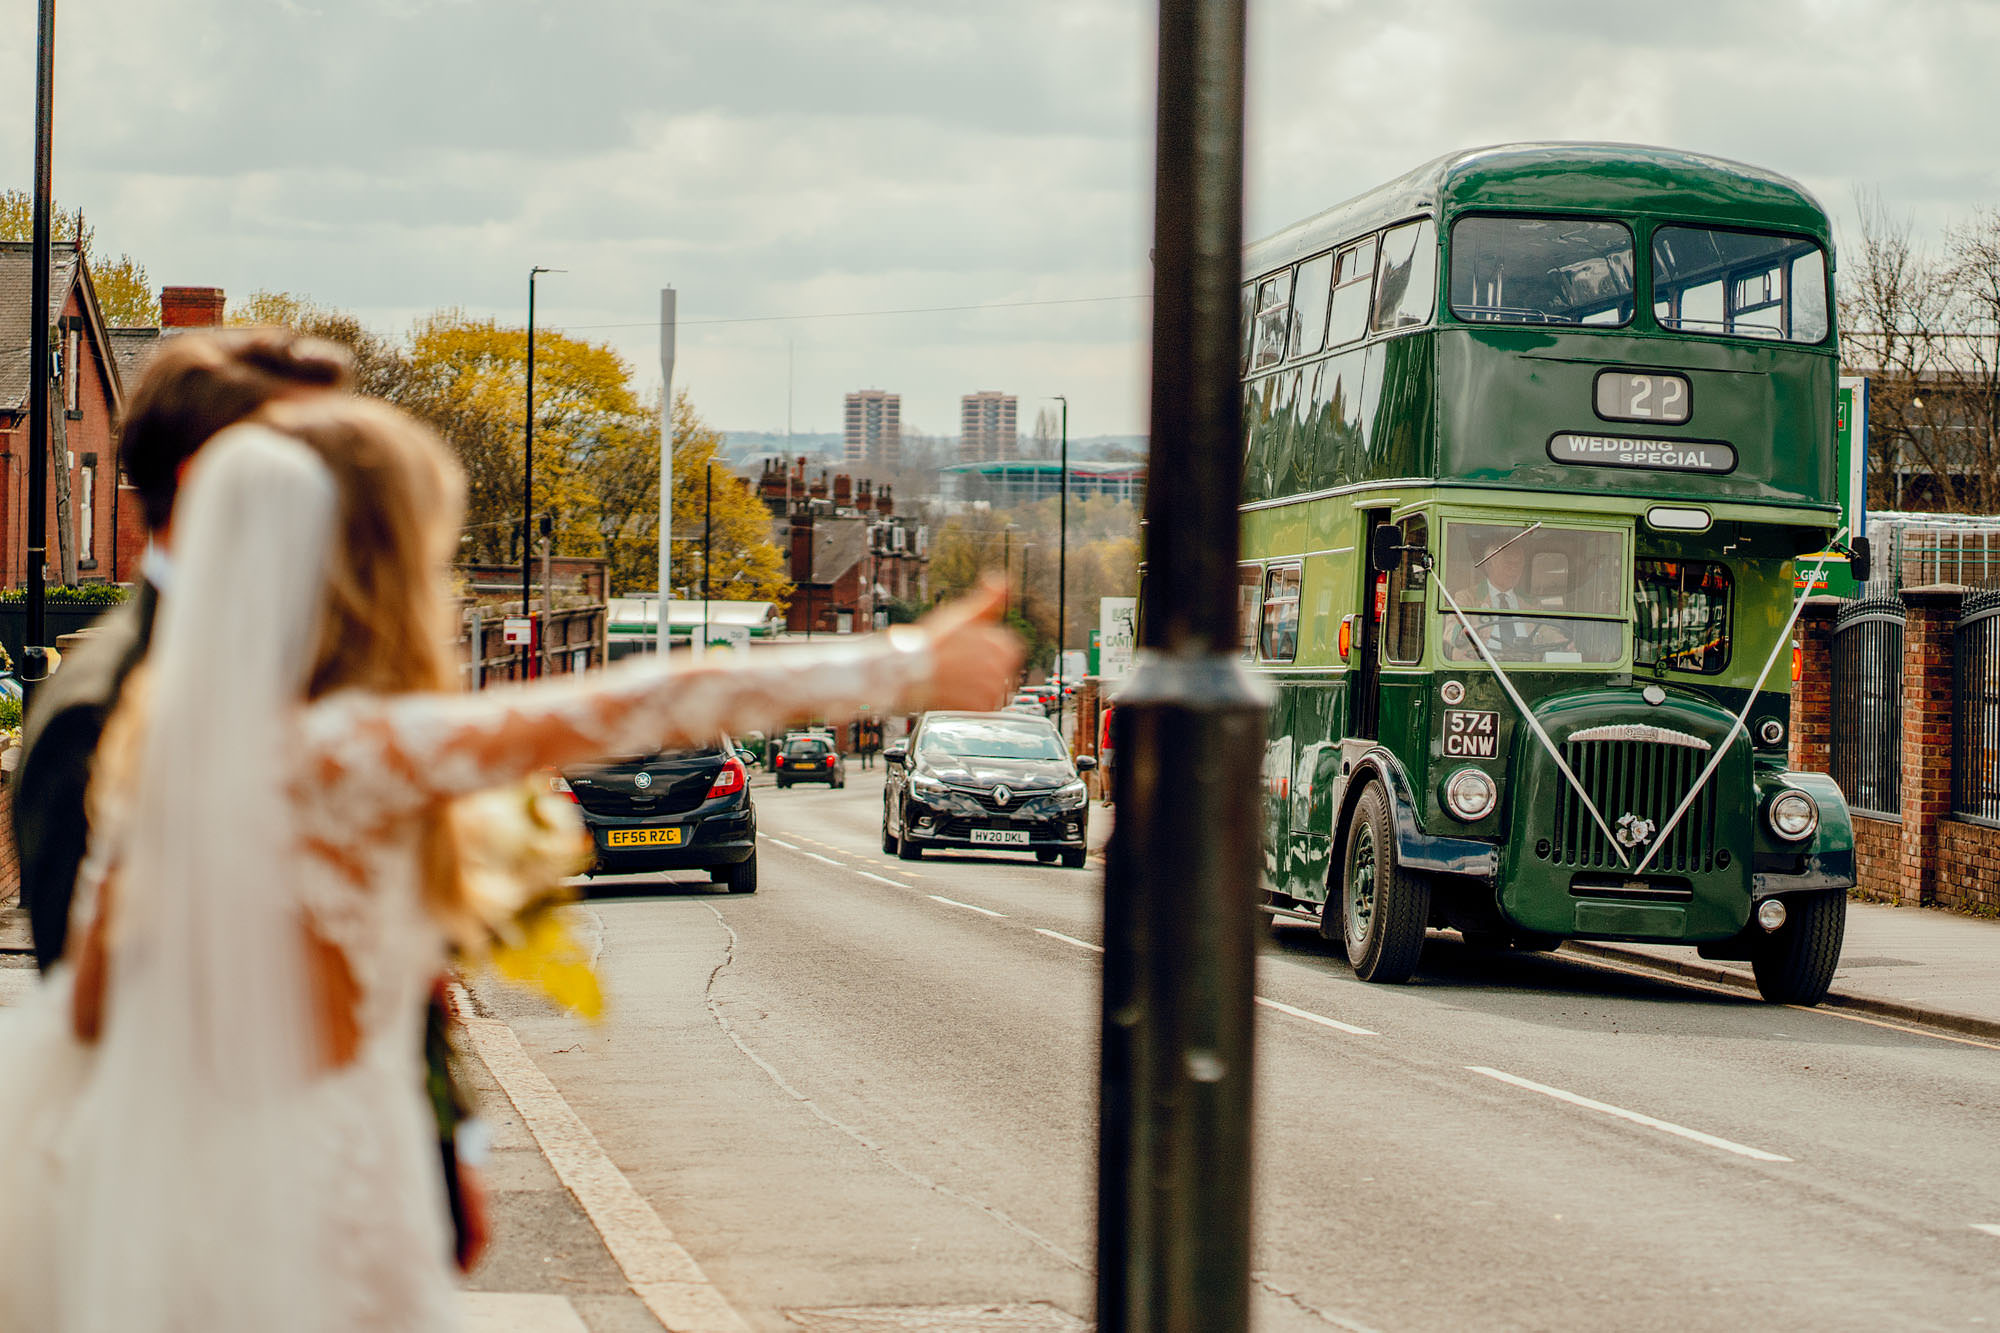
(1085,763)
(896,754)
(1858,559)
(1386,548)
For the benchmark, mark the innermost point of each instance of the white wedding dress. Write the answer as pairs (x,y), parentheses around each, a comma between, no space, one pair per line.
(196,1171)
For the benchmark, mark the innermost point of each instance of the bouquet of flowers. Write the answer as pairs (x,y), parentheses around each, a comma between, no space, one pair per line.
(517,846)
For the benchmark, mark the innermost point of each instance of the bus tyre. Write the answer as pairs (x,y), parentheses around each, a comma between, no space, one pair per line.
(1795,963)
(1384,907)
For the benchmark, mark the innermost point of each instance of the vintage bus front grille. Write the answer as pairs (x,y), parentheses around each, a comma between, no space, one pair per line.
(1643,772)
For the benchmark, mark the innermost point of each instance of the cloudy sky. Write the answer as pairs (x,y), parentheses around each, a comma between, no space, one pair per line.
(778,161)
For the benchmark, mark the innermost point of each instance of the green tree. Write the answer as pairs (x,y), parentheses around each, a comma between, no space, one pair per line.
(124,291)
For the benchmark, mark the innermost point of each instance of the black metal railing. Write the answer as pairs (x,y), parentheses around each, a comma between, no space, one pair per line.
(1866,745)
(1975,709)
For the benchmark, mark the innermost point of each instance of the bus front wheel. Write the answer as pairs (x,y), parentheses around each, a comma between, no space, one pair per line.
(1795,963)
(1384,907)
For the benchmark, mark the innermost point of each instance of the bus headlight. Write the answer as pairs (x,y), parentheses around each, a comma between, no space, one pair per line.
(1792,815)
(1470,794)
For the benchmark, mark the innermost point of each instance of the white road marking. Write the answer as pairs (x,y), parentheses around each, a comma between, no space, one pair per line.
(1320,1019)
(879,879)
(509,1312)
(1990,1228)
(1070,939)
(1664,1126)
(829,860)
(790,847)
(953,902)
(661,1273)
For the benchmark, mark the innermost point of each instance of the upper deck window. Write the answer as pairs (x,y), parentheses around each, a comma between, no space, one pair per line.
(1406,279)
(1529,270)
(1274,320)
(1741,283)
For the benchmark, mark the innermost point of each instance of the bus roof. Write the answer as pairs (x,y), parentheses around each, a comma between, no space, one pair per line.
(1585,177)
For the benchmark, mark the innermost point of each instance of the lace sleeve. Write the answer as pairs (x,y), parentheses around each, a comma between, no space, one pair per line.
(390,752)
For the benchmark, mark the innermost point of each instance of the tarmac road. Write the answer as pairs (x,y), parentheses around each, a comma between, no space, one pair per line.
(873,1084)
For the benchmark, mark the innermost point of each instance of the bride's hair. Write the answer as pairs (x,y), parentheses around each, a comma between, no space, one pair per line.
(387,624)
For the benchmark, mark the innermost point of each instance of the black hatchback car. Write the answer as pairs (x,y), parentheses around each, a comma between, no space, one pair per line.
(985,781)
(676,810)
(809,758)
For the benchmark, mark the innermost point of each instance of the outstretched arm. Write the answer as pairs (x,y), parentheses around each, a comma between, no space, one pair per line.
(406,751)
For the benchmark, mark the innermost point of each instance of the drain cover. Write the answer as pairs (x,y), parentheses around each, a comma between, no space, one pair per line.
(1032,1318)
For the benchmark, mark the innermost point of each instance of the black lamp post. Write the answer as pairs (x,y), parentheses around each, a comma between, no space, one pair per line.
(34,660)
(1062,554)
(528,473)
(1181,880)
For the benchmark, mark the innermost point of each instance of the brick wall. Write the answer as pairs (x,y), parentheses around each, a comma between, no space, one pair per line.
(10,859)
(1968,877)
(1931,619)
(1812,692)
(1878,850)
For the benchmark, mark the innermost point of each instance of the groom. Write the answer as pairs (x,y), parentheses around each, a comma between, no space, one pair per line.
(197,385)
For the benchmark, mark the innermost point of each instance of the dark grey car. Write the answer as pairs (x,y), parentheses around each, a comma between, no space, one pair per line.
(985,782)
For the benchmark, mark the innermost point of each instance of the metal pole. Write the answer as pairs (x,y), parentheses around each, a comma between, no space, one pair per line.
(707,535)
(663,631)
(34,664)
(1174,1163)
(1062,556)
(528,464)
(1007,568)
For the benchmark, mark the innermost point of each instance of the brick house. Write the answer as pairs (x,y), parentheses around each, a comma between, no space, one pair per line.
(81,435)
(99,366)
(847,551)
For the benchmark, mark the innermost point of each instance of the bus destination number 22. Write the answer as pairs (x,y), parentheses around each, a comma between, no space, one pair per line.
(1471,733)
(1625,396)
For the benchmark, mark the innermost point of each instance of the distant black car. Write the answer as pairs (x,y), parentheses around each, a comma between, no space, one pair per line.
(676,810)
(987,781)
(809,758)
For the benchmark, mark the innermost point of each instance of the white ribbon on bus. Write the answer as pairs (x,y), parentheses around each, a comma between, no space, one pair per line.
(1817,573)
(1528,716)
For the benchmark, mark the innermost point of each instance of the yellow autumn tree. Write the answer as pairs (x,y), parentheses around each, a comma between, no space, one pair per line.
(124,291)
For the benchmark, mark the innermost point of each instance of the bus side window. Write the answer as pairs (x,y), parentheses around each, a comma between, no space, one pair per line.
(1351,288)
(1309,295)
(1403,627)
(1406,286)
(1274,305)
(1249,590)
(1279,641)
(1249,329)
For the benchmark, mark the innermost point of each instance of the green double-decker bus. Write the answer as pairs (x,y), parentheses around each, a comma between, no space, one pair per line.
(1538,441)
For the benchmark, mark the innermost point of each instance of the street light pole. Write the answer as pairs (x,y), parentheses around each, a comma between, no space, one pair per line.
(33,657)
(707,536)
(1062,555)
(528,475)
(1181,880)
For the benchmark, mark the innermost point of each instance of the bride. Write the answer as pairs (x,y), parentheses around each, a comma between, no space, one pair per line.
(212,1111)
